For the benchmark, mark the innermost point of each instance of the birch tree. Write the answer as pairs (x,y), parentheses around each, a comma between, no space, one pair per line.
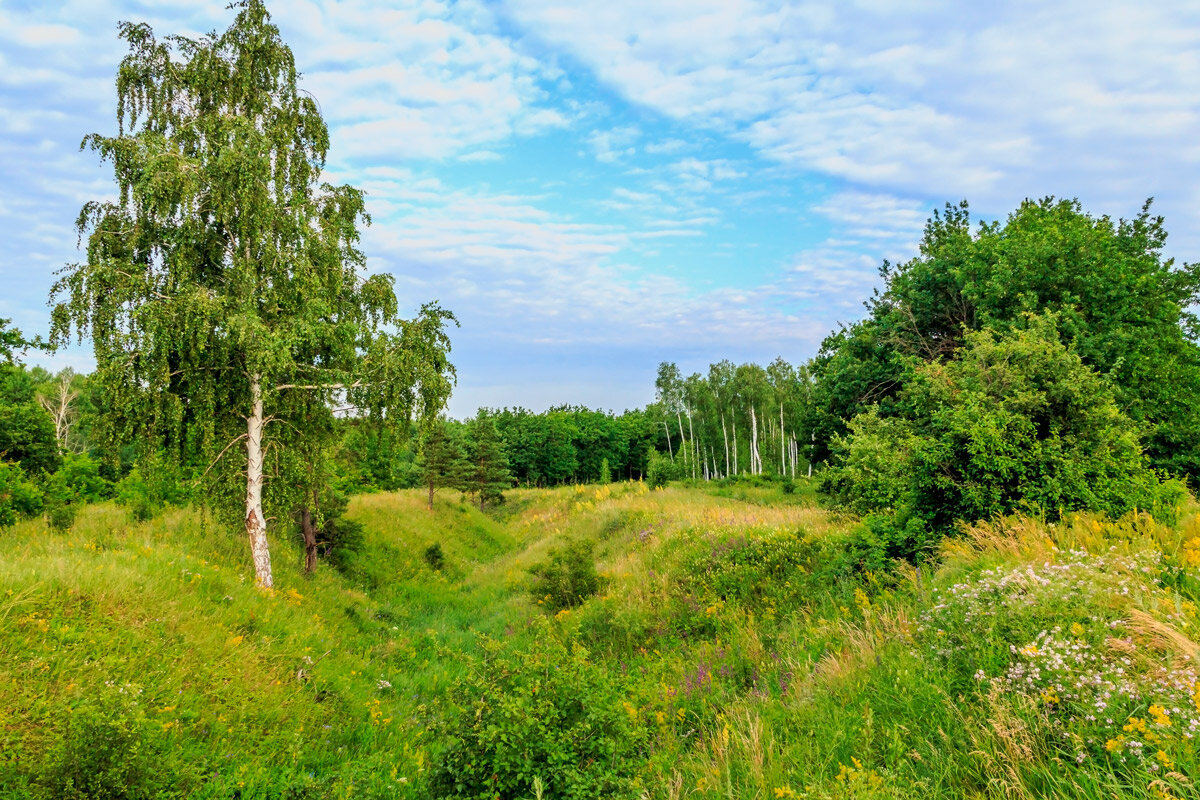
(223,289)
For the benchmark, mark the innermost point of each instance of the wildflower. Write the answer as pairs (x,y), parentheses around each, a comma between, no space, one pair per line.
(1114,745)
(1135,725)
(1160,716)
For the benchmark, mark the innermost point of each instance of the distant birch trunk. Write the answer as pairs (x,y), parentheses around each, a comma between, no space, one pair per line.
(668,432)
(755,463)
(692,435)
(735,448)
(782,444)
(725,436)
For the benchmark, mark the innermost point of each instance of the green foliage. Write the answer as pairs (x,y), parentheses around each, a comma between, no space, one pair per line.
(486,475)
(434,556)
(1122,308)
(542,711)
(660,470)
(340,537)
(1016,422)
(225,285)
(11,342)
(108,753)
(566,578)
(80,478)
(19,497)
(26,430)
(151,486)
(443,459)
(60,516)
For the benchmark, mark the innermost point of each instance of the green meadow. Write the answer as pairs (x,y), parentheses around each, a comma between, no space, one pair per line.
(727,641)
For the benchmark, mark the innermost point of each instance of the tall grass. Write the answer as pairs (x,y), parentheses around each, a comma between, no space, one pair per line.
(738,647)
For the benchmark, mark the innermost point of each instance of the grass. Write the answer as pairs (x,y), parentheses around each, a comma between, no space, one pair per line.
(738,647)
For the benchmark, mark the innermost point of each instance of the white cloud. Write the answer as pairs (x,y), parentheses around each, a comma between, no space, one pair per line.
(941,100)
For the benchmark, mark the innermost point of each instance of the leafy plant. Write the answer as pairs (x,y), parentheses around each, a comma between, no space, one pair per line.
(107,753)
(434,556)
(567,577)
(541,712)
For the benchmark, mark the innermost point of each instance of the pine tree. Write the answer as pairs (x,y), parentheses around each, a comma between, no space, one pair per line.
(443,459)
(487,475)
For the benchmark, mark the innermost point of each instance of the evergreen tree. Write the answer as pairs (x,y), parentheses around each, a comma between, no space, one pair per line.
(443,460)
(487,475)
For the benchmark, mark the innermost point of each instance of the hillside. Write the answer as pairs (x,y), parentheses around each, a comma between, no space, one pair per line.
(741,642)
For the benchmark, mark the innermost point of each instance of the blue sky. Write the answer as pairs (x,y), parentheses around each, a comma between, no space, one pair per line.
(596,187)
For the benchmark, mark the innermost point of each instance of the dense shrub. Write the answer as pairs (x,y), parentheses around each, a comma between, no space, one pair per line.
(152,486)
(107,753)
(543,712)
(1016,423)
(61,516)
(80,475)
(660,470)
(434,556)
(19,497)
(567,577)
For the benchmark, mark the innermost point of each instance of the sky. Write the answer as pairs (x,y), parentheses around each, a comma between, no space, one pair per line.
(595,187)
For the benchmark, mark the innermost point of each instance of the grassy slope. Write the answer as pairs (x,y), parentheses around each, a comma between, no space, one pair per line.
(755,660)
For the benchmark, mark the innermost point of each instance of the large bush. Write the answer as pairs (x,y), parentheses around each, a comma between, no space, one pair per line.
(1125,309)
(1016,422)
(541,711)
(18,496)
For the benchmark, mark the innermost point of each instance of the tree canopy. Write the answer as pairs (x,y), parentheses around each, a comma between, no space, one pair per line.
(1125,309)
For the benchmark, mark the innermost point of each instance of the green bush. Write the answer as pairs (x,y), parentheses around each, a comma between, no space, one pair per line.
(107,753)
(1017,423)
(567,577)
(19,497)
(544,712)
(61,516)
(434,556)
(150,487)
(80,475)
(660,470)
(757,568)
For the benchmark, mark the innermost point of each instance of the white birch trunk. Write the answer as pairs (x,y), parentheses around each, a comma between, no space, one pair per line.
(755,467)
(256,523)
(668,432)
(782,444)
(695,451)
(725,436)
(735,448)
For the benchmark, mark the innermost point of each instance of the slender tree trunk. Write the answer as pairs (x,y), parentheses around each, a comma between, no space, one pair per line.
(755,466)
(431,494)
(692,434)
(725,436)
(735,448)
(310,540)
(256,523)
(782,444)
(810,452)
(670,452)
